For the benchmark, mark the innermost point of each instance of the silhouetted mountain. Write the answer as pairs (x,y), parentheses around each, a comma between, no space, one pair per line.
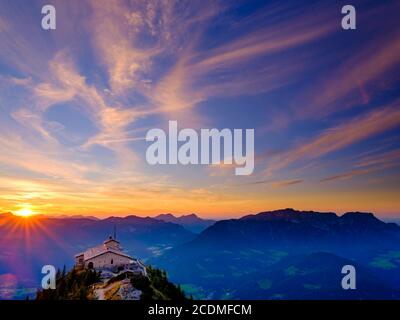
(230,251)
(77,216)
(312,230)
(191,221)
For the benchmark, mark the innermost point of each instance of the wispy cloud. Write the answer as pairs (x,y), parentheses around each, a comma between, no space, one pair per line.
(349,85)
(286,183)
(369,164)
(274,183)
(341,136)
(361,75)
(347,175)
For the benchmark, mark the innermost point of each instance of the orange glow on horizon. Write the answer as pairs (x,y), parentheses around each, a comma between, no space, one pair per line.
(210,204)
(24,212)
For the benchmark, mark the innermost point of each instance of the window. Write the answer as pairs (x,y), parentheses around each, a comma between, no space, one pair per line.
(112,261)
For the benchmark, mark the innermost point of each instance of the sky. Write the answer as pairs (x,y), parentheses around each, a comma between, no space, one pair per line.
(76,104)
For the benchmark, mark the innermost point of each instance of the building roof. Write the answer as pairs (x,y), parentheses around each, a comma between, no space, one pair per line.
(95,251)
(110,239)
(101,249)
(109,251)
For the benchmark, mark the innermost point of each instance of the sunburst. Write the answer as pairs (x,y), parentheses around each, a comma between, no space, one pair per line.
(24,212)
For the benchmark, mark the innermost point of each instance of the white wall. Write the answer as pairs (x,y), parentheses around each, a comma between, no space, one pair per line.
(104,260)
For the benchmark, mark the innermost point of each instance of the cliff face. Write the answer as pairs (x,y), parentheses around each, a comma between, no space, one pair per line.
(118,290)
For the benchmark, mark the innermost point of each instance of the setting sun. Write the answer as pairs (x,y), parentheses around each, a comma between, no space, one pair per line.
(25,212)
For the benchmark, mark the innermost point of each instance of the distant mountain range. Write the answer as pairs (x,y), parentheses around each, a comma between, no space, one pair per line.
(309,230)
(78,216)
(254,250)
(283,254)
(191,221)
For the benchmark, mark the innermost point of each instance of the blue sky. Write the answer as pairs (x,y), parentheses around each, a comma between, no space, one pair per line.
(76,103)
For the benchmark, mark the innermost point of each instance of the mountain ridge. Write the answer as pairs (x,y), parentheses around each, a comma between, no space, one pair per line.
(191,221)
(224,255)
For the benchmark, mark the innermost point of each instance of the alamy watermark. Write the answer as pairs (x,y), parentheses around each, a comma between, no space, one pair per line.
(49,280)
(349,20)
(349,280)
(49,18)
(187,146)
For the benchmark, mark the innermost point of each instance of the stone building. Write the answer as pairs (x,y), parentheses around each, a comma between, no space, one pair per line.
(107,255)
